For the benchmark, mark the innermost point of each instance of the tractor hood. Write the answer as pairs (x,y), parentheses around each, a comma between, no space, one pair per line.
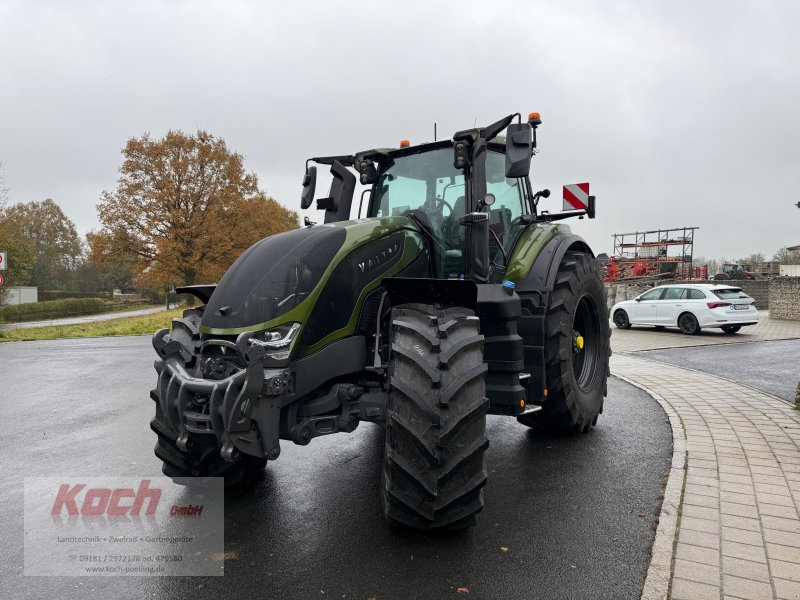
(278,279)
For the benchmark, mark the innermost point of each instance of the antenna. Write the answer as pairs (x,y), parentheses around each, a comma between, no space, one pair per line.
(434,139)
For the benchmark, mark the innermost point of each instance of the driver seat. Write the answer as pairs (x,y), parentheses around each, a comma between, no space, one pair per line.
(453,231)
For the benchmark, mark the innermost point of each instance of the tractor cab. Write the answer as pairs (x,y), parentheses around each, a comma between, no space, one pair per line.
(422,183)
(471,196)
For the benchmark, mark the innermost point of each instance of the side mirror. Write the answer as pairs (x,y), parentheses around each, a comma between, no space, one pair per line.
(638,298)
(519,146)
(309,186)
(337,205)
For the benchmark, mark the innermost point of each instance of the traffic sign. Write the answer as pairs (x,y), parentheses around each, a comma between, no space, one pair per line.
(2,260)
(1,280)
(576,196)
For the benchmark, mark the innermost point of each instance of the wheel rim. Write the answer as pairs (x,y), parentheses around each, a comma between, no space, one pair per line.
(586,327)
(687,322)
(620,319)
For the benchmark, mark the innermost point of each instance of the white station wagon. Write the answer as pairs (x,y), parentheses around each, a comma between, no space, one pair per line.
(690,307)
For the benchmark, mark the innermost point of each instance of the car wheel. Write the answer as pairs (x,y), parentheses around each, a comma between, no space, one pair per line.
(731,328)
(621,320)
(688,324)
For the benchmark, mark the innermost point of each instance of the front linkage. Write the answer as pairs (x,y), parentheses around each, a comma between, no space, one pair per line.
(224,408)
(213,414)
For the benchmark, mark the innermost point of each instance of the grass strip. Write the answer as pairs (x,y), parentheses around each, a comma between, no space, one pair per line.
(141,325)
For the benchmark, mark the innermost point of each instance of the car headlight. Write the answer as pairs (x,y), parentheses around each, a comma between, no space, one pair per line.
(278,341)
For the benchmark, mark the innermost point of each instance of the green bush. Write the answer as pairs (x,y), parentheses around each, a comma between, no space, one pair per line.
(52,309)
(45,295)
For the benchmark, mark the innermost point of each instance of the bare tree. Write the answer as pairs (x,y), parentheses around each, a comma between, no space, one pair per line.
(787,257)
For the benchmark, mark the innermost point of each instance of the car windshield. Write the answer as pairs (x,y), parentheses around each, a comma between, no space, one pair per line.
(428,186)
(730,294)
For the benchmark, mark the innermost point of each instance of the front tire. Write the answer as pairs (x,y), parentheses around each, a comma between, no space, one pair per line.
(433,467)
(621,319)
(576,377)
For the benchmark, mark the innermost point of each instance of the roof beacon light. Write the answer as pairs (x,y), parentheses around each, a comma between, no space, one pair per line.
(405,143)
(534,118)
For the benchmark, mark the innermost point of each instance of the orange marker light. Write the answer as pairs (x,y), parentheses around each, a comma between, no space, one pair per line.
(545,392)
(405,143)
(522,403)
(534,115)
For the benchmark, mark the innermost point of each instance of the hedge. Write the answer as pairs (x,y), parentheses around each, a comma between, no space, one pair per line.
(52,309)
(45,295)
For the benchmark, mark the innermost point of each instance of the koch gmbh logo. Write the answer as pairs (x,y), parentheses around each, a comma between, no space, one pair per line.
(99,501)
(135,526)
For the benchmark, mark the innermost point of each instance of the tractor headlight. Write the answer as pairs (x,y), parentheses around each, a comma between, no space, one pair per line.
(278,341)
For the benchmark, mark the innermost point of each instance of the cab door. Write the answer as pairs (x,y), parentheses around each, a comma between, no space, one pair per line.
(644,310)
(670,306)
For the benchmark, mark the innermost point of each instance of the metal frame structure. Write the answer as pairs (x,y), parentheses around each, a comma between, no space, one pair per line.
(655,253)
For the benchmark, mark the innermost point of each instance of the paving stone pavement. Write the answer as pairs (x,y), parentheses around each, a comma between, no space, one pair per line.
(649,338)
(730,524)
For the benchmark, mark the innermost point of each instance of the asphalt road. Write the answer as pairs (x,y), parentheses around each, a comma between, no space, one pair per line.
(773,367)
(577,515)
(81,320)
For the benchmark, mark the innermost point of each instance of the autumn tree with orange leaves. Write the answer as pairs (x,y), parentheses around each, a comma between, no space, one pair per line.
(184,209)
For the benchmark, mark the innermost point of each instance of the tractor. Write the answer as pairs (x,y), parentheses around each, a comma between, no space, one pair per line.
(455,297)
(734,271)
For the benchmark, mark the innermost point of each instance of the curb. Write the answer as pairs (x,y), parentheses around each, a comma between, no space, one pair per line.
(657,580)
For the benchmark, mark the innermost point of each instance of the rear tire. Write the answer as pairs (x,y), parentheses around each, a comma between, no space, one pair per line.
(433,467)
(731,328)
(200,461)
(688,324)
(576,380)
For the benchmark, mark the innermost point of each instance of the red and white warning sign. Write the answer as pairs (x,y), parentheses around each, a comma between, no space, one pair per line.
(2,261)
(1,280)
(576,196)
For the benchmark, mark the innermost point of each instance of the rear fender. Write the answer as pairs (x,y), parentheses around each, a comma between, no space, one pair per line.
(534,292)
(542,276)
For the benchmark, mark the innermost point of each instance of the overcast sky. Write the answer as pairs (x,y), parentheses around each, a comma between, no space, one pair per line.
(677,112)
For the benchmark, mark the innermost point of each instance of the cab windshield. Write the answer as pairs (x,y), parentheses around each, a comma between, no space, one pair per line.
(428,186)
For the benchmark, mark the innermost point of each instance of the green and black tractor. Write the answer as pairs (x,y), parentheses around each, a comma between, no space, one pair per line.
(453,298)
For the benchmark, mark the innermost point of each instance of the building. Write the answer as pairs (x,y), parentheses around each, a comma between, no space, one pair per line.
(21,295)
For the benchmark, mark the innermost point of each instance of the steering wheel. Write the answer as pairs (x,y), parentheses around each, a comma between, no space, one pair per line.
(438,203)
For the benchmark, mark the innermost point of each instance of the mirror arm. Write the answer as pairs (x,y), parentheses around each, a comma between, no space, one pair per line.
(493,130)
